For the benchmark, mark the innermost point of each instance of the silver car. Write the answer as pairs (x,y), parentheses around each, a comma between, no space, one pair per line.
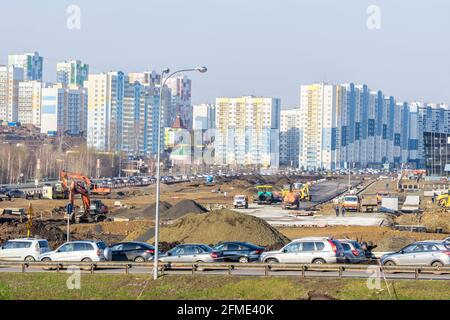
(191,253)
(317,250)
(423,253)
(353,251)
(84,251)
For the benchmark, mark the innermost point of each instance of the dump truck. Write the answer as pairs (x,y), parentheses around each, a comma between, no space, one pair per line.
(369,203)
(240,201)
(264,195)
(350,202)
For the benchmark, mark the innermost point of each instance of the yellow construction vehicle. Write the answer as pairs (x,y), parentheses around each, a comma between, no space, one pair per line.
(444,200)
(299,192)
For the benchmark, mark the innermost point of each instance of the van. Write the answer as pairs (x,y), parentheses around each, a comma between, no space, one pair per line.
(28,249)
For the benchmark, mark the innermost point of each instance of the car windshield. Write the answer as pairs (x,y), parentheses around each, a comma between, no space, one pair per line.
(240,198)
(351,199)
(206,248)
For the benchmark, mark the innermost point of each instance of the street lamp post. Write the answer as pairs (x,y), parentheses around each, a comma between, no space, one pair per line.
(158,158)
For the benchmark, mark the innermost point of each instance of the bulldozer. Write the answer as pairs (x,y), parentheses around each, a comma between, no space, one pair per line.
(91,211)
(264,195)
(298,192)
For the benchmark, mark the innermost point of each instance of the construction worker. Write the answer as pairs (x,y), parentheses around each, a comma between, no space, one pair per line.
(337,209)
(343,212)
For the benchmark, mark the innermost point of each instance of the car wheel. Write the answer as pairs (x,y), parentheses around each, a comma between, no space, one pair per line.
(389,263)
(47,260)
(319,261)
(200,269)
(272,261)
(437,264)
(87,260)
(139,260)
(30,259)
(243,260)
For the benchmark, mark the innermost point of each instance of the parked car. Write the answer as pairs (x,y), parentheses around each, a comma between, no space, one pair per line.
(447,239)
(130,251)
(85,251)
(317,250)
(426,253)
(241,252)
(16,193)
(191,253)
(353,252)
(28,249)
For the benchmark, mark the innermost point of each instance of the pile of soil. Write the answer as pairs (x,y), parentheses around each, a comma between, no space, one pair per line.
(222,225)
(146,213)
(14,229)
(183,208)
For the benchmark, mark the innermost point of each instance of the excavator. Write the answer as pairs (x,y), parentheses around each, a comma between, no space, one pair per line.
(298,192)
(93,211)
(444,200)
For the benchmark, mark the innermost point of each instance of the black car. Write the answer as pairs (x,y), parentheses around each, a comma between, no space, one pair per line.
(242,252)
(131,251)
(16,193)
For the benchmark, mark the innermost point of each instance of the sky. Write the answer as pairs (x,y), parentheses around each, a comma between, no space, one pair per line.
(259,47)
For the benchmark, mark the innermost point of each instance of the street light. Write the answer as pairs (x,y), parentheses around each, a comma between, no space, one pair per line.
(158,158)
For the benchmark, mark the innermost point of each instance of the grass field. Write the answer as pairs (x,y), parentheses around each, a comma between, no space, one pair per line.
(119,287)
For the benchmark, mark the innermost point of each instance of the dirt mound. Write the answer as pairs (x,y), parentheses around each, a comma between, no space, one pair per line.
(146,213)
(183,208)
(14,229)
(223,225)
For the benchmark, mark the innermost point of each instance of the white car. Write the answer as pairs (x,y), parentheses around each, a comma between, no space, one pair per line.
(316,250)
(28,249)
(84,251)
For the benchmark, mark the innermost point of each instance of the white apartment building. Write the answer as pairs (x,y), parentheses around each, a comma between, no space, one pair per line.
(319,113)
(10,77)
(31,63)
(29,103)
(72,72)
(289,137)
(105,110)
(64,110)
(247,131)
(204,116)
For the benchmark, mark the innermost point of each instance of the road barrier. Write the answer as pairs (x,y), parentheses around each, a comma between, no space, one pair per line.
(266,269)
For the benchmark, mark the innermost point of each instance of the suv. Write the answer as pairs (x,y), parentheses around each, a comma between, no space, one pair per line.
(353,251)
(425,253)
(85,251)
(28,249)
(317,250)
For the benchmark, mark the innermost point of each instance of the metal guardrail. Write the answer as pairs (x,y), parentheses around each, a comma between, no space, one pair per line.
(265,268)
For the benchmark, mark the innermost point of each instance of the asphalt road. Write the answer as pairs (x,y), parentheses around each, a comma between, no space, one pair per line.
(353,274)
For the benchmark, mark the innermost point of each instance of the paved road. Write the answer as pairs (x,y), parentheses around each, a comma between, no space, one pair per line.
(353,274)
(320,192)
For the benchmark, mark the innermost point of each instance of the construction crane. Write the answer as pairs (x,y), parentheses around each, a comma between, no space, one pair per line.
(80,184)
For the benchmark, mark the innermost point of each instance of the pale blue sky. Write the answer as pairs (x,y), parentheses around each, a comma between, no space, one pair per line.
(256,47)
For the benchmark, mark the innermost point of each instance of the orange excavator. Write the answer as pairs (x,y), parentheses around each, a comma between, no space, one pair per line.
(94,211)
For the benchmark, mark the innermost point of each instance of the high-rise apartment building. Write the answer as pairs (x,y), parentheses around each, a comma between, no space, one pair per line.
(10,77)
(29,102)
(64,110)
(203,116)
(180,104)
(319,111)
(289,137)
(105,110)
(31,63)
(72,72)
(247,131)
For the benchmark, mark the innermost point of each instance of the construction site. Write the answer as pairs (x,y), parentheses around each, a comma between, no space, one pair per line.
(389,210)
